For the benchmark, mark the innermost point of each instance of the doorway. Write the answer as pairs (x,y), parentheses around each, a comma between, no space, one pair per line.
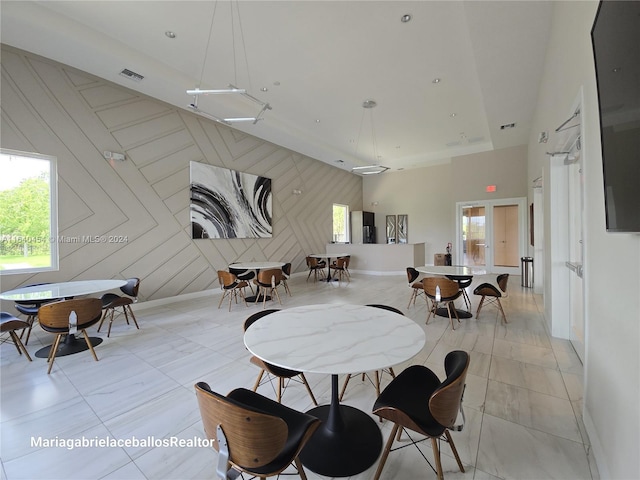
(491,234)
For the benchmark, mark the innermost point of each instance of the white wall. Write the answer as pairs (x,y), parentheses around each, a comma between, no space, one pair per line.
(429,195)
(612,261)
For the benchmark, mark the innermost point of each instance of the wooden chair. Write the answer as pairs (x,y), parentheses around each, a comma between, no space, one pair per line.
(441,290)
(231,287)
(417,400)
(286,273)
(267,283)
(244,274)
(378,373)
(9,324)
(30,310)
(492,294)
(417,288)
(273,372)
(341,268)
(252,433)
(316,267)
(54,318)
(111,301)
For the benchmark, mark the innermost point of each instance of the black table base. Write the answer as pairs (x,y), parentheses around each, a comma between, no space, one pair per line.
(69,346)
(347,442)
(443,312)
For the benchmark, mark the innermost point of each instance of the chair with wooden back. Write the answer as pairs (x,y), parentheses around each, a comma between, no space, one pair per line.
(441,290)
(316,267)
(417,400)
(286,274)
(268,282)
(341,267)
(252,433)
(111,301)
(417,288)
(54,318)
(231,287)
(493,294)
(9,324)
(283,375)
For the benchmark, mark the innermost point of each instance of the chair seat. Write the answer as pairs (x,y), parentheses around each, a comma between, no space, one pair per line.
(27,309)
(487,289)
(273,369)
(9,323)
(418,285)
(410,392)
(297,424)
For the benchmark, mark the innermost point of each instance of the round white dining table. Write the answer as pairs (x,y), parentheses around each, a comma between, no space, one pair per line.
(337,339)
(61,290)
(257,266)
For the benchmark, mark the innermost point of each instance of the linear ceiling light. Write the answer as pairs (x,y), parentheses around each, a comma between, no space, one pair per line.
(370,169)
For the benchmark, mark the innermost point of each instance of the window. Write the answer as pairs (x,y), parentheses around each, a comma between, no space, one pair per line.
(340,223)
(28,212)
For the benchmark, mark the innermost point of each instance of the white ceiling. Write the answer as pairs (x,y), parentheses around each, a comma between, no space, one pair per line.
(319,61)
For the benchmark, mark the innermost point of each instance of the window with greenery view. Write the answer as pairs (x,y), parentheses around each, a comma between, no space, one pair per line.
(28,212)
(340,223)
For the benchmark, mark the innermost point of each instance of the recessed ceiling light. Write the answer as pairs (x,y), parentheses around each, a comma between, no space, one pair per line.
(453,114)
(264,89)
(405,18)
(436,80)
(369,104)
(170,34)
(616,69)
(317,120)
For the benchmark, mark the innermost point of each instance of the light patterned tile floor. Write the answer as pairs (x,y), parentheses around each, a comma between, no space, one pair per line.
(522,403)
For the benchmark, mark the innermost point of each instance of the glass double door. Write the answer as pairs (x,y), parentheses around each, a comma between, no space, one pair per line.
(492,235)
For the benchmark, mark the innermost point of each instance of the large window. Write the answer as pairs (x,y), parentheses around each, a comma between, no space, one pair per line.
(340,223)
(28,212)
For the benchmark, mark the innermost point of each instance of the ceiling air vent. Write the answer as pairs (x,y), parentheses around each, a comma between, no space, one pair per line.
(507,126)
(136,77)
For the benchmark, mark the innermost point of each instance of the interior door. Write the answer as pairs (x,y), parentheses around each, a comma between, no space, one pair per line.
(575,262)
(492,234)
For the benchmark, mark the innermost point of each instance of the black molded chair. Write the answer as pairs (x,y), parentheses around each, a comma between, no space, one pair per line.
(378,373)
(316,267)
(244,274)
(30,310)
(492,294)
(282,374)
(252,433)
(286,273)
(9,324)
(111,301)
(418,401)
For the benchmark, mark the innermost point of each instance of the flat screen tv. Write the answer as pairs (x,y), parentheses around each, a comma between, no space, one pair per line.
(615,37)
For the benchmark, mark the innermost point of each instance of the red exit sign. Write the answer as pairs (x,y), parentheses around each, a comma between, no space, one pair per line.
(491,188)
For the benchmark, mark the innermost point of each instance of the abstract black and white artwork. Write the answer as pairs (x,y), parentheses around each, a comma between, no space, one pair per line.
(229,204)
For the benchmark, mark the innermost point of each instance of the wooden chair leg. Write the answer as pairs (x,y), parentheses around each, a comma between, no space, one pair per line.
(275,290)
(479,306)
(113,311)
(344,386)
(133,317)
(18,343)
(436,454)
(280,388)
(454,450)
(504,316)
(224,294)
(52,352)
(306,384)
(257,384)
(303,476)
(377,385)
(385,453)
(86,339)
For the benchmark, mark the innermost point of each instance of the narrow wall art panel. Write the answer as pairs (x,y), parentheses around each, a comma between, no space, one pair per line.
(229,204)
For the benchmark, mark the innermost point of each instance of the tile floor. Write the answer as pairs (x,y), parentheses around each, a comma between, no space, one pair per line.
(522,403)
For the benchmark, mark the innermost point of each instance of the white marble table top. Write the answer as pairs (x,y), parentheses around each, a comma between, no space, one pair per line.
(61,290)
(329,255)
(454,270)
(334,338)
(256,265)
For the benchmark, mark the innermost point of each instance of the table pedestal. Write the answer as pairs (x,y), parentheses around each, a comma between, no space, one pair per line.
(442,312)
(69,346)
(347,442)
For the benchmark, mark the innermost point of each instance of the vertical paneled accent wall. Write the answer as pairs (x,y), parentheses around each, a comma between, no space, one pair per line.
(53,109)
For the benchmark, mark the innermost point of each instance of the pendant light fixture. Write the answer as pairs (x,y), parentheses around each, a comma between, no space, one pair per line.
(231,89)
(375,168)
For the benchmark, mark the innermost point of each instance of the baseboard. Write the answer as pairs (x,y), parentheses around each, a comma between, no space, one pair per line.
(596,447)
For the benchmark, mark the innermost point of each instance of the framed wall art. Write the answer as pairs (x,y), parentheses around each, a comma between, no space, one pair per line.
(229,204)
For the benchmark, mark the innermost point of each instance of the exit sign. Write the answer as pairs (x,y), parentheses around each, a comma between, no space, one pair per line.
(491,188)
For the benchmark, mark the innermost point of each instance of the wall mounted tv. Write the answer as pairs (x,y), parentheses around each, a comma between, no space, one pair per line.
(615,37)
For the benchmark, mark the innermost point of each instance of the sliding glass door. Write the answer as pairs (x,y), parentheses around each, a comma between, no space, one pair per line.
(491,234)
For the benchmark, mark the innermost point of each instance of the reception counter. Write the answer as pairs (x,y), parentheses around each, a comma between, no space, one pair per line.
(380,258)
